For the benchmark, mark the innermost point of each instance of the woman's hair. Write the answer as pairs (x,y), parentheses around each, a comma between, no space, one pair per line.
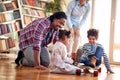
(58,15)
(93,32)
(63,33)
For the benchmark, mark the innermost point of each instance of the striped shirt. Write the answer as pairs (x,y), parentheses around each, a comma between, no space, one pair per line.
(35,33)
(91,49)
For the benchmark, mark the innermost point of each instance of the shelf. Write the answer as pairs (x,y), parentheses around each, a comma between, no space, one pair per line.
(46,1)
(33,7)
(4,2)
(9,11)
(32,16)
(12,21)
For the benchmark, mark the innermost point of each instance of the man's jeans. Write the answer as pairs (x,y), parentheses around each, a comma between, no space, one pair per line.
(28,58)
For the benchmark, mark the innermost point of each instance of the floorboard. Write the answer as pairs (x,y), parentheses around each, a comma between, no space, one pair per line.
(10,71)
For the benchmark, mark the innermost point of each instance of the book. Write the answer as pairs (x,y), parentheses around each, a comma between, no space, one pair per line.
(16,14)
(41,13)
(27,20)
(1,7)
(2,18)
(15,4)
(9,16)
(3,43)
(23,1)
(9,6)
(0,29)
(31,2)
(10,42)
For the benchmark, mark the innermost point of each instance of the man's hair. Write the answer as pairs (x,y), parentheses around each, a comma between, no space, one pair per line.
(63,33)
(93,32)
(58,15)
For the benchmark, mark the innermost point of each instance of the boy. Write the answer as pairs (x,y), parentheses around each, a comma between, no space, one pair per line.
(92,52)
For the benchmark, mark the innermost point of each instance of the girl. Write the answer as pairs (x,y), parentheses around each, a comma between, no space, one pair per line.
(60,62)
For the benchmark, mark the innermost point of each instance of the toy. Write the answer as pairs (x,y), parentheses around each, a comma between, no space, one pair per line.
(86,69)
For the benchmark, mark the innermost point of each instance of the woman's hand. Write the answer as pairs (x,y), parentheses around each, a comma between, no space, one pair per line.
(72,32)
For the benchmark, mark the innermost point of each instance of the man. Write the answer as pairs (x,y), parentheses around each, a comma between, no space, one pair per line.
(35,37)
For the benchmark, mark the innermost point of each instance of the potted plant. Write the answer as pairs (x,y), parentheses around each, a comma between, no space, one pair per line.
(53,6)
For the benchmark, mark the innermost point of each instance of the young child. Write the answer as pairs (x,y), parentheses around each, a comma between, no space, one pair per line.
(60,62)
(92,52)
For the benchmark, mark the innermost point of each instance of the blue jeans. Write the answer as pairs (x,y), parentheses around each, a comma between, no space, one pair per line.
(98,54)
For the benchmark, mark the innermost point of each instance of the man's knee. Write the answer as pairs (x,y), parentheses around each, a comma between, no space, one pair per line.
(45,63)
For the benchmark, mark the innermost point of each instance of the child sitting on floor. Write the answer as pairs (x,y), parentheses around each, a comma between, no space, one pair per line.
(60,62)
(92,52)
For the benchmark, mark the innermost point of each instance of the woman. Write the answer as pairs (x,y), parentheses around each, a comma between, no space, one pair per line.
(77,12)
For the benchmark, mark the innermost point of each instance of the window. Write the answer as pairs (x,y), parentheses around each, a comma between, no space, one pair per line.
(101,21)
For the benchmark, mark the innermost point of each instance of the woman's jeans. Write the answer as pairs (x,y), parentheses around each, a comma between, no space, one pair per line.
(86,60)
(28,58)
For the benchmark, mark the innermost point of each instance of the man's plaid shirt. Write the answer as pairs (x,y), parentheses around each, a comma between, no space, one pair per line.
(34,33)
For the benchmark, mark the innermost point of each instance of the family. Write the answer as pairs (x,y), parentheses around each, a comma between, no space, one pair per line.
(35,37)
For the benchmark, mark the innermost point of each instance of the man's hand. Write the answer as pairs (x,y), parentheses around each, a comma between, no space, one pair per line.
(110,71)
(41,67)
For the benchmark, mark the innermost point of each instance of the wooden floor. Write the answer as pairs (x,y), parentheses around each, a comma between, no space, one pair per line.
(9,71)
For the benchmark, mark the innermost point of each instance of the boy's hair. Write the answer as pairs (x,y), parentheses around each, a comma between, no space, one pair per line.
(93,32)
(58,15)
(63,33)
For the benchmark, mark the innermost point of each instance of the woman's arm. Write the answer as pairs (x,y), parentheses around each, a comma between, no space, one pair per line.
(87,7)
(70,8)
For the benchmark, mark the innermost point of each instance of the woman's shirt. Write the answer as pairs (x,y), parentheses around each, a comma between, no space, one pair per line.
(77,14)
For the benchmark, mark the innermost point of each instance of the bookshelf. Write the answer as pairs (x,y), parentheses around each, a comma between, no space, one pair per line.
(10,23)
(31,10)
(10,20)
(15,15)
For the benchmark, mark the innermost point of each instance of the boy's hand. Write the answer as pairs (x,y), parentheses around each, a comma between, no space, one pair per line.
(110,71)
